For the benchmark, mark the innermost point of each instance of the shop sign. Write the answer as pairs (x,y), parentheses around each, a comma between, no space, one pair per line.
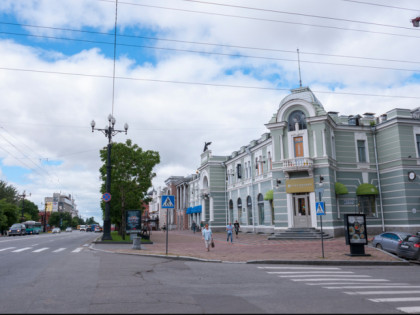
(300,185)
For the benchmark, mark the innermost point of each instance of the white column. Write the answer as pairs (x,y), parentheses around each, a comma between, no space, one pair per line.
(211,209)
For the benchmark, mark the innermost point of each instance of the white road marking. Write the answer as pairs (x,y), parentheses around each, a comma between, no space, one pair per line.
(333,276)
(58,250)
(40,250)
(382,292)
(343,279)
(386,286)
(410,309)
(307,272)
(351,282)
(6,248)
(77,250)
(21,249)
(303,268)
(406,299)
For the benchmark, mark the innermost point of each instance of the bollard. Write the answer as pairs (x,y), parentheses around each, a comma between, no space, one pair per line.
(137,243)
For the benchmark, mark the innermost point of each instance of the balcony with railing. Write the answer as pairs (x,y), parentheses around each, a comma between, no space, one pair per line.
(298,164)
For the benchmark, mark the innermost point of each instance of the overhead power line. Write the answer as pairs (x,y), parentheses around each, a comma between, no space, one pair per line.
(178,41)
(201,83)
(277,21)
(236,55)
(381,5)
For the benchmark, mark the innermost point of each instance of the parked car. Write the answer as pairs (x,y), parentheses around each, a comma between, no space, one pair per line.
(389,241)
(69,229)
(98,229)
(56,230)
(409,247)
(17,229)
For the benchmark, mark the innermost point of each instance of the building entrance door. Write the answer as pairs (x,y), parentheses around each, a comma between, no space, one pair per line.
(301,210)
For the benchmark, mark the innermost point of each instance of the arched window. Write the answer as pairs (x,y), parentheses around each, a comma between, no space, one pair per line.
(261,209)
(249,208)
(240,210)
(297,117)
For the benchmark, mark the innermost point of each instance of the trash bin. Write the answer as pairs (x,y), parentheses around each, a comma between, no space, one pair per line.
(137,243)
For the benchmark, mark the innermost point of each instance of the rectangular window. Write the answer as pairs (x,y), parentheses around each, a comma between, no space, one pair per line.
(361,150)
(418,144)
(367,205)
(239,170)
(298,146)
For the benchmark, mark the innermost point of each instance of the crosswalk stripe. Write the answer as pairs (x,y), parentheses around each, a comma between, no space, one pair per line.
(343,279)
(6,248)
(58,250)
(21,249)
(382,292)
(385,286)
(303,268)
(307,272)
(410,309)
(77,250)
(332,276)
(40,250)
(405,299)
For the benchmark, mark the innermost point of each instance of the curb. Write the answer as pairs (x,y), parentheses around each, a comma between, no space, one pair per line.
(267,262)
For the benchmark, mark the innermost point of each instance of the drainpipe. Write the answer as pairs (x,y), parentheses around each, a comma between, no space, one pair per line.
(373,128)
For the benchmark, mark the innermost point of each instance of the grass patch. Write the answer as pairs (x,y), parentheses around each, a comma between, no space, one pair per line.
(118,238)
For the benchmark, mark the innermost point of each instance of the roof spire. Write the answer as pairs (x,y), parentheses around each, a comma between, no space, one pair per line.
(300,78)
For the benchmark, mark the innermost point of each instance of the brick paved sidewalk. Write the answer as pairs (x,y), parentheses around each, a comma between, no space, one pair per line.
(252,247)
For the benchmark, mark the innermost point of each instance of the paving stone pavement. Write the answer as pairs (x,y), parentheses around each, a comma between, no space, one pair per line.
(249,247)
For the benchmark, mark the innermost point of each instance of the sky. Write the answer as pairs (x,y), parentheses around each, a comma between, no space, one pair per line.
(186,72)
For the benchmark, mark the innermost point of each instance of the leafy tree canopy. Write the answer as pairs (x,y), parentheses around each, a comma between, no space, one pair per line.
(131,177)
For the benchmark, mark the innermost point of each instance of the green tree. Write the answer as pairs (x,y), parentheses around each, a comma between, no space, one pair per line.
(60,219)
(8,192)
(131,177)
(9,214)
(77,221)
(30,210)
(91,221)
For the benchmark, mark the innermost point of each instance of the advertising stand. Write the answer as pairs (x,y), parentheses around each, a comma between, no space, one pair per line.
(133,226)
(356,233)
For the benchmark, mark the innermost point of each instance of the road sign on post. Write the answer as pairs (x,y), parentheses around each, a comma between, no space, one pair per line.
(320,208)
(106,197)
(168,202)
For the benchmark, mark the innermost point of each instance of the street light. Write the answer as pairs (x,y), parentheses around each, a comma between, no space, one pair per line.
(109,132)
(23,204)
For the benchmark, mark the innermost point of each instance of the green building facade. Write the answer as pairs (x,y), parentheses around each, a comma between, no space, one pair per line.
(354,164)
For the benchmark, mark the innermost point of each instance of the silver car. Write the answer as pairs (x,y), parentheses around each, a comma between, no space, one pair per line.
(389,240)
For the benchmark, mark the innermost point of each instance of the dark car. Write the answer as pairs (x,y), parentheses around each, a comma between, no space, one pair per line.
(17,229)
(409,247)
(88,229)
(389,241)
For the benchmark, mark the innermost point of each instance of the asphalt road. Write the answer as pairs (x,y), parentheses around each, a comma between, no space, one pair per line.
(68,277)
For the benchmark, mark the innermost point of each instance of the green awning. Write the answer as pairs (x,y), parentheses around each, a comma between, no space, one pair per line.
(366,189)
(340,189)
(269,195)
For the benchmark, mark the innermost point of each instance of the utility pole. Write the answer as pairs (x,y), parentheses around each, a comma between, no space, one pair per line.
(22,218)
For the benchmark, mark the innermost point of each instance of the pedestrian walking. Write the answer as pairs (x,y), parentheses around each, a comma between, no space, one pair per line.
(236,225)
(229,230)
(193,226)
(207,236)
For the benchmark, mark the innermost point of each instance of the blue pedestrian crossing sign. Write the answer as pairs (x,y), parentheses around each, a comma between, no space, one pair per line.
(168,202)
(320,208)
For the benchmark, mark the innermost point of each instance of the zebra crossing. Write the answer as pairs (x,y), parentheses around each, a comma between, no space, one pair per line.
(377,290)
(42,250)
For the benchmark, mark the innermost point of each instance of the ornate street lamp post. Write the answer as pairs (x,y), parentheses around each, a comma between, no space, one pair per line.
(109,132)
(22,219)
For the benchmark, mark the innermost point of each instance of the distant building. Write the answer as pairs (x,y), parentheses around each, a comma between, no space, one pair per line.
(61,203)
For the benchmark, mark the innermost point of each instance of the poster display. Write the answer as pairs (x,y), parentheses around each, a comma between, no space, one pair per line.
(356,229)
(133,221)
